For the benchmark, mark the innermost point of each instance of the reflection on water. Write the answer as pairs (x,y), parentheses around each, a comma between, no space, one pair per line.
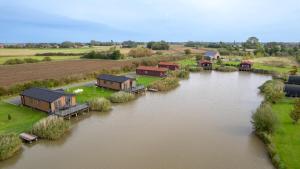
(204,123)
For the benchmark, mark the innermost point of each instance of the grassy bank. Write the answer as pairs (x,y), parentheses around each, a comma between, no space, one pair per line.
(90,92)
(287,136)
(3,59)
(22,118)
(146,80)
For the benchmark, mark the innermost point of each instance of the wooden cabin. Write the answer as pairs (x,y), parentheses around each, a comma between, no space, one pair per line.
(292,90)
(115,82)
(169,65)
(211,55)
(205,64)
(151,71)
(46,100)
(245,66)
(294,79)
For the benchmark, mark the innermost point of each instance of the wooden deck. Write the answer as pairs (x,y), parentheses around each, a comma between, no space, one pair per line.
(72,110)
(28,137)
(137,89)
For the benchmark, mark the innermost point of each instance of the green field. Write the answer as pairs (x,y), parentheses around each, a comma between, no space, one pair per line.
(22,118)
(287,136)
(187,62)
(54,58)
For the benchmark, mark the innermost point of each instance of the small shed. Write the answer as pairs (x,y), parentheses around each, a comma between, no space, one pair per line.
(294,79)
(169,65)
(245,66)
(292,90)
(210,55)
(205,64)
(115,82)
(152,71)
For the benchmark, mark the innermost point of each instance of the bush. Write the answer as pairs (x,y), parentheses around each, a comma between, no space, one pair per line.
(9,145)
(295,113)
(47,59)
(273,90)
(30,60)
(264,120)
(187,51)
(100,104)
(140,52)
(195,69)
(58,54)
(121,97)
(162,45)
(13,62)
(182,74)
(165,84)
(226,69)
(51,128)
(110,54)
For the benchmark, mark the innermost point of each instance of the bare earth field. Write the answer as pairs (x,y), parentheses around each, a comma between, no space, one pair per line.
(13,74)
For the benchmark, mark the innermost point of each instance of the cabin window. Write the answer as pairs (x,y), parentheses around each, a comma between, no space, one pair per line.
(146,72)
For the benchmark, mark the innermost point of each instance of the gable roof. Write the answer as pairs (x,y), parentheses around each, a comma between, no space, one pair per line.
(294,80)
(205,62)
(43,94)
(246,62)
(210,53)
(152,68)
(113,78)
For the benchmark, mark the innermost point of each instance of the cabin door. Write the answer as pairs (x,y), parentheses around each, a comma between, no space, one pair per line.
(68,101)
(57,105)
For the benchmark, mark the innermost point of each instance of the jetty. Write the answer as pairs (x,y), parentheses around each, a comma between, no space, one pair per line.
(28,137)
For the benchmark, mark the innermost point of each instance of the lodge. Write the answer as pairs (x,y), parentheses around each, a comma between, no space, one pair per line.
(169,65)
(51,101)
(211,55)
(245,66)
(205,64)
(115,82)
(292,87)
(152,71)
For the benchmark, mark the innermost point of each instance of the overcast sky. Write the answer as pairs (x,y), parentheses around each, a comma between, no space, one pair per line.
(144,20)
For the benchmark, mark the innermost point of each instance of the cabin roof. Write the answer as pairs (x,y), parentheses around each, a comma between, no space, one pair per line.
(168,63)
(205,62)
(210,53)
(152,68)
(292,88)
(113,78)
(246,62)
(294,79)
(43,94)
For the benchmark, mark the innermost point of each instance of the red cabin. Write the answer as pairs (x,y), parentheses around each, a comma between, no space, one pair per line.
(168,65)
(151,71)
(245,66)
(207,65)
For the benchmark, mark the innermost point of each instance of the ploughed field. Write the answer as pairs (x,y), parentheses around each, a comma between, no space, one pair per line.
(13,74)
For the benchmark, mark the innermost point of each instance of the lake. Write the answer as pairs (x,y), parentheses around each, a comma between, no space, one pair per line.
(204,123)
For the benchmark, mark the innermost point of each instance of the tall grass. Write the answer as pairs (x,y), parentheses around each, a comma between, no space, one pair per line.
(9,145)
(51,128)
(100,104)
(121,97)
(226,69)
(273,90)
(182,74)
(165,84)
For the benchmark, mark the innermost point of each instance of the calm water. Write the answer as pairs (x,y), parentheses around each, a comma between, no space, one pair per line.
(204,123)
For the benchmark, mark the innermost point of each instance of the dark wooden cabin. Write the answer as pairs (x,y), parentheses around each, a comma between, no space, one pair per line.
(205,64)
(292,90)
(169,65)
(115,82)
(294,79)
(46,100)
(151,71)
(245,66)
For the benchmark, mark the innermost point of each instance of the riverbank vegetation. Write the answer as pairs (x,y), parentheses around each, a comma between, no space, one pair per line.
(99,104)
(181,74)
(121,97)
(26,60)
(226,69)
(165,84)
(10,144)
(51,128)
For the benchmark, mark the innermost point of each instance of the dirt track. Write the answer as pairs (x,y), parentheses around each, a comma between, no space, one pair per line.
(13,74)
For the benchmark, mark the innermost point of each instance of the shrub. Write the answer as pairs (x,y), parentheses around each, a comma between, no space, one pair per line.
(187,51)
(195,69)
(165,84)
(226,69)
(140,52)
(47,59)
(9,145)
(295,113)
(30,60)
(13,62)
(162,45)
(110,54)
(264,120)
(273,90)
(100,104)
(58,54)
(51,128)
(121,97)
(182,74)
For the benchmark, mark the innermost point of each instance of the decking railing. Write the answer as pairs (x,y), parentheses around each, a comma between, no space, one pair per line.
(72,110)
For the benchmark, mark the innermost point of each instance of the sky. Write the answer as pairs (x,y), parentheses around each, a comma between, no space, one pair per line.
(146,20)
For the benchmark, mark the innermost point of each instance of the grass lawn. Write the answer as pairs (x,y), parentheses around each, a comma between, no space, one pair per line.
(287,136)
(54,58)
(146,80)
(90,92)
(272,68)
(187,62)
(22,118)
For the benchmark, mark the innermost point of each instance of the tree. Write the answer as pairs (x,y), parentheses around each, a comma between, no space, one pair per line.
(129,44)
(67,44)
(295,113)
(264,120)
(187,51)
(252,43)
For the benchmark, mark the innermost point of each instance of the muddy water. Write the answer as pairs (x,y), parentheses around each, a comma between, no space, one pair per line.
(204,123)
